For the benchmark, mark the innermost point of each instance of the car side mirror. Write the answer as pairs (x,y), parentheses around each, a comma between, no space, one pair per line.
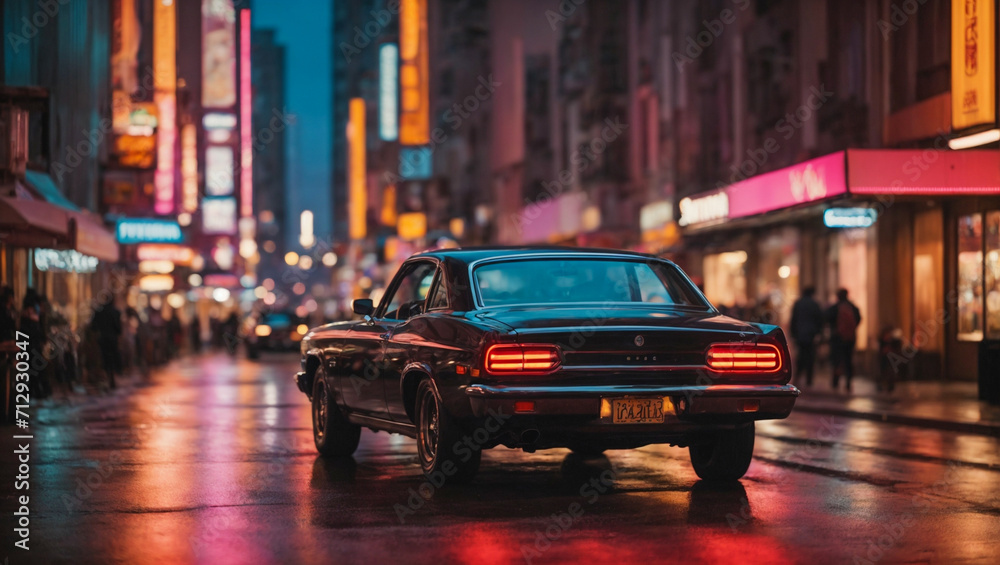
(363,306)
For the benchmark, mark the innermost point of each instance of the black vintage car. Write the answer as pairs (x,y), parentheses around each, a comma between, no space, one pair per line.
(535,348)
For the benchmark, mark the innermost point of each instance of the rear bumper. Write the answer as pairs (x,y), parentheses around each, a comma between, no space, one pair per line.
(563,415)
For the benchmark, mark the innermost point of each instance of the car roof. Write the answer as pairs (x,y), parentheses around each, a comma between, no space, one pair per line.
(472,254)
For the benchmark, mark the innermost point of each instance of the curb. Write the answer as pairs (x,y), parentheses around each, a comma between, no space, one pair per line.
(976,428)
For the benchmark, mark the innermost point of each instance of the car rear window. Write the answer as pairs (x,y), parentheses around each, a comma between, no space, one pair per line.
(563,281)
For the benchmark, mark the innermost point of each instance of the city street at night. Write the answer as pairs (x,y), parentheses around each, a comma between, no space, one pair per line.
(499,282)
(213,462)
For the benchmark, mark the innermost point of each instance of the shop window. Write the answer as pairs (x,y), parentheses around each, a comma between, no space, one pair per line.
(970,278)
(726,282)
(993,275)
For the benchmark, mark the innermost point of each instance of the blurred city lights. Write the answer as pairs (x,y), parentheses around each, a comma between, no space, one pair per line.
(330,259)
(268,284)
(248,248)
(260,292)
(184,219)
(291,258)
(303,328)
(269,246)
(299,288)
(176,301)
(194,279)
(305,262)
(160,267)
(270,299)
(306,236)
(221,294)
(301,312)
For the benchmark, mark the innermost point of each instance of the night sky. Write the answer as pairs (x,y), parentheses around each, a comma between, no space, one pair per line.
(304,28)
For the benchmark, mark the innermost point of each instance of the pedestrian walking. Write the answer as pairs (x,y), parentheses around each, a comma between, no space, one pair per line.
(807,323)
(844,319)
(107,324)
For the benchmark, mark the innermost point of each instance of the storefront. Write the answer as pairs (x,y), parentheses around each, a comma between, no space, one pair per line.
(912,234)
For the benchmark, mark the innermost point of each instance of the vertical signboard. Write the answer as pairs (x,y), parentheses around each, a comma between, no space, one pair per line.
(218,30)
(165,98)
(973,60)
(358,192)
(246,120)
(189,168)
(388,92)
(414,117)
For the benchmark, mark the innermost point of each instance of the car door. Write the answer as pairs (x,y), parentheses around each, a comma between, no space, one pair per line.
(363,385)
(407,338)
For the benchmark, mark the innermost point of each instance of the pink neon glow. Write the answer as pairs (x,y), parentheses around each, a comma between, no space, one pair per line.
(246,119)
(808,181)
(923,171)
(166,137)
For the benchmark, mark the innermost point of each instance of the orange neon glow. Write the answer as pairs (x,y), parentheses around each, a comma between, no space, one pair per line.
(356,170)
(414,115)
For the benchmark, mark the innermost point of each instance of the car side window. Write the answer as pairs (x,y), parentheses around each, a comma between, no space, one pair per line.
(408,298)
(439,298)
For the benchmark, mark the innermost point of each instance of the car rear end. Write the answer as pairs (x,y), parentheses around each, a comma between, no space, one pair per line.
(620,373)
(563,387)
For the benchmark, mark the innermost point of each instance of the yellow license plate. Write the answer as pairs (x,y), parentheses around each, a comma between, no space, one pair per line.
(639,410)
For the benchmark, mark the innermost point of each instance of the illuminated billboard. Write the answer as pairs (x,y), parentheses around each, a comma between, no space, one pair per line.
(148,230)
(189,168)
(356,173)
(388,92)
(218,30)
(414,116)
(246,119)
(165,98)
(219,170)
(973,65)
(219,215)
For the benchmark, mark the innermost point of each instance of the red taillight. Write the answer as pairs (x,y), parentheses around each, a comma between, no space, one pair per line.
(516,358)
(743,357)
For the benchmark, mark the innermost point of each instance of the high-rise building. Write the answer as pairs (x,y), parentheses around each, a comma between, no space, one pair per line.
(269,165)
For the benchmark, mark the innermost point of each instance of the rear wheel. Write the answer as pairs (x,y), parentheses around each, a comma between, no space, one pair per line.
(334,435)
(726,456)
(437,435)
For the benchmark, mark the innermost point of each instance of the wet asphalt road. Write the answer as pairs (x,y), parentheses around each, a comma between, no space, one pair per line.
(213,462)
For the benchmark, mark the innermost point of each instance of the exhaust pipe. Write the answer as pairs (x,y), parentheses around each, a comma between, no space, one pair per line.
(530,436)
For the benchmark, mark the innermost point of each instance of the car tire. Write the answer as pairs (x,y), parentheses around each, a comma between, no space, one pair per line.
(437,433)
(334,435)
(726,456)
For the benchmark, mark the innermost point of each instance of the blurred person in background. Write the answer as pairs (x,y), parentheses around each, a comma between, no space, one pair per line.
(806,324)
(844,319)
(107,324)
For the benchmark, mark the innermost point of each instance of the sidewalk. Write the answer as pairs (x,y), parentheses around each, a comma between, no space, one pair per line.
(952,406)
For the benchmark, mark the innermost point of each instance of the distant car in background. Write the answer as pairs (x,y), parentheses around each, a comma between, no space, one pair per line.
(274,331)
